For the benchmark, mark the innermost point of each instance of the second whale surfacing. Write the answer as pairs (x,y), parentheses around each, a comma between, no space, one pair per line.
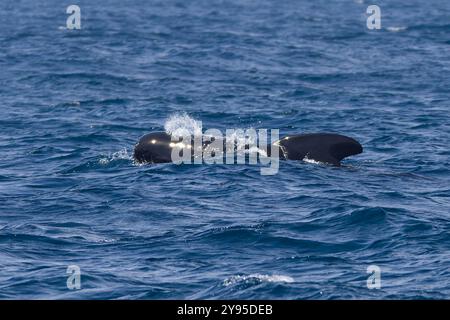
(327,148)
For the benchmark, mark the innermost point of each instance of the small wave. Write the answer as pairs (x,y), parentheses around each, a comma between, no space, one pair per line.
(257,278)
(371,215)
(119,155)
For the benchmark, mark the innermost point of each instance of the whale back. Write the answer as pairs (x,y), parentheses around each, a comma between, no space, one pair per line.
(330,148)
(323,147)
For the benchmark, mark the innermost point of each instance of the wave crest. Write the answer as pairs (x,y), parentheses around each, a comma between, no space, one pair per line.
(257,278)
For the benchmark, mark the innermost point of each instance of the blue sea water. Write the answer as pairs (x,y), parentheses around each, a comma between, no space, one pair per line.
(74,103)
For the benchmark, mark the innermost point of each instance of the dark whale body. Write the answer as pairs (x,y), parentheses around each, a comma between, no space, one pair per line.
(323,147)
(153,148)
(330,148)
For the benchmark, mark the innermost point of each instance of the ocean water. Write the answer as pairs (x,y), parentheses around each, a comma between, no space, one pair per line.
(74,103)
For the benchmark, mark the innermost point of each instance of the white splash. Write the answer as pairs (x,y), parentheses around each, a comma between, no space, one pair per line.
(119,155)
(257,150)
(308,160)
(246,143)
(258,278)
(181,124)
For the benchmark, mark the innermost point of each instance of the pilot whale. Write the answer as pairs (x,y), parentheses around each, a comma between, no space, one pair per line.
(328,148)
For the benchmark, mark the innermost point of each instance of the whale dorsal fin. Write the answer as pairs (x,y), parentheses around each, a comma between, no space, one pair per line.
(323,147)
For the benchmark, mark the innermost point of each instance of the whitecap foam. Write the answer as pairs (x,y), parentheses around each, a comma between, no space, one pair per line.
(258,278)
(396,29)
